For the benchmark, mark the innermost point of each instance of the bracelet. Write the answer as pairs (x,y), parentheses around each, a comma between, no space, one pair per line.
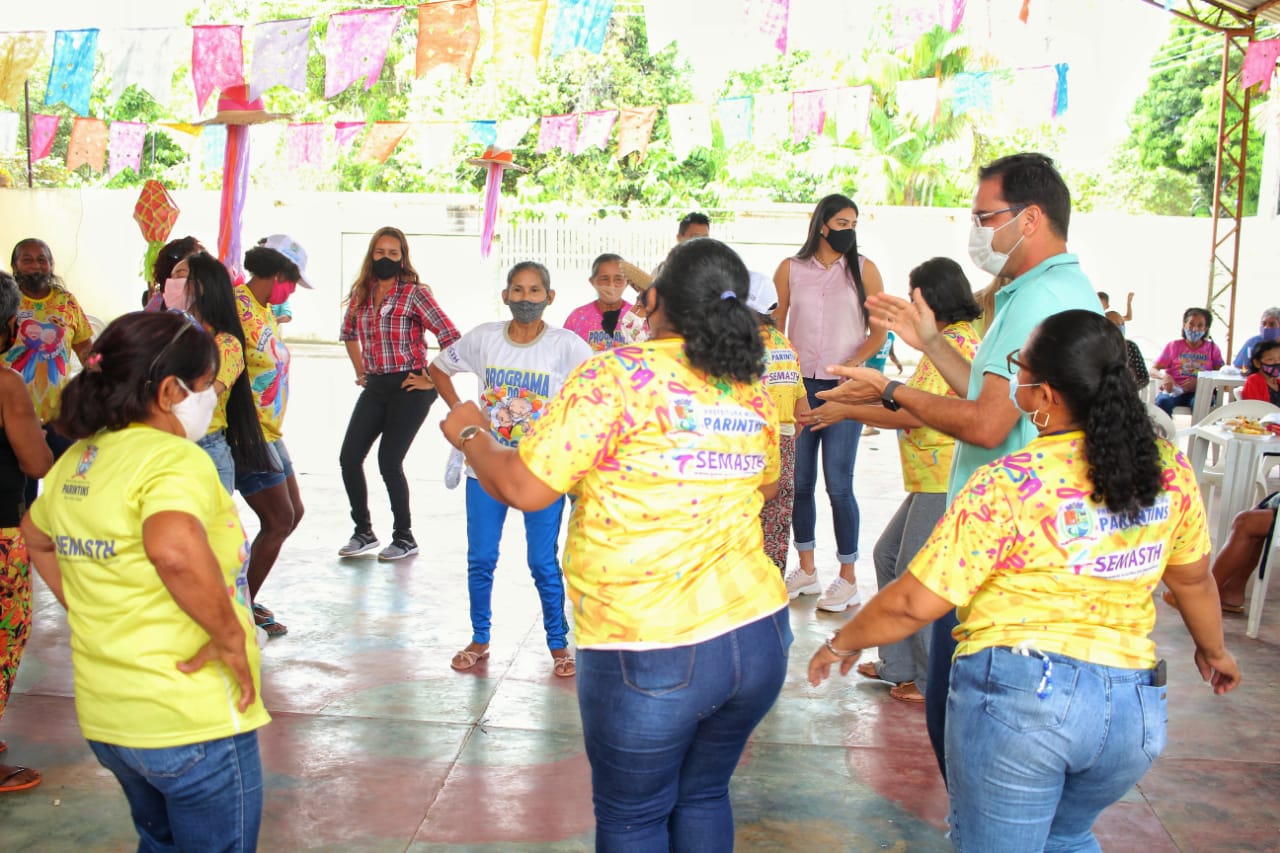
(849,654)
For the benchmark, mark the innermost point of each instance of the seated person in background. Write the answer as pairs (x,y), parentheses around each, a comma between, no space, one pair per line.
(1182,359)
(597,321)
(1250,531)
(1137,364)
(1264,374)
(1268,330)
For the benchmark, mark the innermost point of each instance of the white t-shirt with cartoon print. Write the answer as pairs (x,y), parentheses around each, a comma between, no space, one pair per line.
(516,380)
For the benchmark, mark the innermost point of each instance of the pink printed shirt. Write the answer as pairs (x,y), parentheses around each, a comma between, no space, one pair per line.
(587,322)
(825,321)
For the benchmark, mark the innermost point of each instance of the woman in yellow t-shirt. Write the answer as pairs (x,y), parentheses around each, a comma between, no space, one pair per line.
(671,447)
(140,543)
(1057,704)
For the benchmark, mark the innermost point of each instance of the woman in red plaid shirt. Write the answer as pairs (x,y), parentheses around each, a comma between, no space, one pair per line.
(388,312)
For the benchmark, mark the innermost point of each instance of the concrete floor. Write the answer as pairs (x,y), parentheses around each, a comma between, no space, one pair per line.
(377,745)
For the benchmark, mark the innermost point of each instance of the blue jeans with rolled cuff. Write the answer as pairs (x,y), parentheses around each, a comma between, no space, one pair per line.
(838,445)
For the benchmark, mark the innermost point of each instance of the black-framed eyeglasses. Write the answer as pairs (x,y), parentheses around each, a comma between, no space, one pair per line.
(979,218)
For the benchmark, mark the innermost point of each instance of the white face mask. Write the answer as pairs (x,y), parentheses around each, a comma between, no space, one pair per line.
(195,411)
(980,251)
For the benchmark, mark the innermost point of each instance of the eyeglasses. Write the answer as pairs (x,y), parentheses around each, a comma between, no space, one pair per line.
(979,218)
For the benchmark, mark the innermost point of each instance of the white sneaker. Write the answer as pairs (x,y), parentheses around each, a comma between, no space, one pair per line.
(841,595)
(453,469)
(801,582)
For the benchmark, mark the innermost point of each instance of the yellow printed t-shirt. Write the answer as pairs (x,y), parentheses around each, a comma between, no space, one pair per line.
(926,452)
(230,366)
(267,359)
(782,376)
(127,632)
(664,544)
(1027,555)
(48,329)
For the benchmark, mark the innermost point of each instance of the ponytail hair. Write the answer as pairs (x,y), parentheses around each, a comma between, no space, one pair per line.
(123,371)
(702,289)
(1082,356)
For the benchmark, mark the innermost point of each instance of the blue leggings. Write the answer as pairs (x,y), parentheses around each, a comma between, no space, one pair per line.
(485,517)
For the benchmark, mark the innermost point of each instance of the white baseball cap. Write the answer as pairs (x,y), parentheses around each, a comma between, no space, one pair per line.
(762,295)
(289,247)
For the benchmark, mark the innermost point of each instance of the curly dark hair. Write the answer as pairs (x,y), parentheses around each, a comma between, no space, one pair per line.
(1083,357)
(1260,349)
(721,335)
(123,372)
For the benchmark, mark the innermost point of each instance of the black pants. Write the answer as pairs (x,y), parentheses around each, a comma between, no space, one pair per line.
(58,443)
(386,409)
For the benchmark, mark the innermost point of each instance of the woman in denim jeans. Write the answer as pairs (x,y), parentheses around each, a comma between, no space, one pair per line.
(1057,704)
(671,447)
(143,546)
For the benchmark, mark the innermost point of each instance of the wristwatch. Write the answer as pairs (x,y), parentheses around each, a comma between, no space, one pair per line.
(469,432)
(886,396)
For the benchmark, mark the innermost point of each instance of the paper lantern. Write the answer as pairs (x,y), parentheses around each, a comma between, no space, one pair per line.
(155,212)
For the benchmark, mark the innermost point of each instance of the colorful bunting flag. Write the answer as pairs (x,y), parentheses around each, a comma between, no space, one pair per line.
(71,72)
(217,60)
(279,56)
(125,146)
(917,99)
(434,142)
(1060,91)
(143,58)
(345,132)
(594,130)
(517,33)
(43,130)
(355,46)
(381,140)
(771,117)
(1025,12)
(971,91)
(808,113)
(735,120)
(770,18)
(8,134)
(88,144)
(213,147)
(448,34)
(558,132)
(690,126)
(853,111)
(953,20)
(483,132)
(304,144)
(635,129)
(1260,63)
(581,23)
(512,131)
(19,53)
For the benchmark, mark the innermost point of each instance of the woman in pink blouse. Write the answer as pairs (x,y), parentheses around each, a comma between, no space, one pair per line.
(822,294)
(388,312)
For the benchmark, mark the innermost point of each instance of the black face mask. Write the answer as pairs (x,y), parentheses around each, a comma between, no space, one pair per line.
(842,241)
(386,268)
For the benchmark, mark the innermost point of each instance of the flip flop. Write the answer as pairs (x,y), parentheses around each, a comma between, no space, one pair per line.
(1231,608)
(564,667)
(271,626)
(6,788)
(467,659)
(907,692)
(869,669)
(261,612)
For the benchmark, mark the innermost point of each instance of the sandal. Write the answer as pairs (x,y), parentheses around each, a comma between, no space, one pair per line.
(271,626)
(261,612)
(467,659)
(869,669)
(907,692)
(564,666)
(31,780)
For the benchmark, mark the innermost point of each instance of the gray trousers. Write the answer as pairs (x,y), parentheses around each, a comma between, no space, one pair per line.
(906,660)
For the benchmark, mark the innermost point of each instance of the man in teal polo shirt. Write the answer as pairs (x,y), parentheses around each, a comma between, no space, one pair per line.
(1020,217)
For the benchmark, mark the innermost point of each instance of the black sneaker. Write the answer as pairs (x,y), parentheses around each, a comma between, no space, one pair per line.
(360,543)
(398,550)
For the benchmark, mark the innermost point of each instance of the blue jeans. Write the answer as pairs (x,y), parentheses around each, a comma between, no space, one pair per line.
(1169,402)
(215,444)
(839,446)
(249,483)
(665,728)
(485,517)
(942,648)
(204,796)
(1031,773)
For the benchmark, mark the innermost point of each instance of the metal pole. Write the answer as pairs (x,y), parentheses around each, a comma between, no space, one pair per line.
(26,97)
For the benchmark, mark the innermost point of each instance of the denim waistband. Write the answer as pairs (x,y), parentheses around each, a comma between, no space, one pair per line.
(1121,674)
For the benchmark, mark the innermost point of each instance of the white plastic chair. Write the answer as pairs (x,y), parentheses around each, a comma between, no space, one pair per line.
(1162,422)
(1258,595)
(1204,443)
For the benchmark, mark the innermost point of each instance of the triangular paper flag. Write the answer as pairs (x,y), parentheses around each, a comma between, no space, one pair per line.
(772,118)
(71,72)
(213,147)
(448,34)
(217,61)
(125,146)
(434,142)
(635,128)
(382,139)
(1060,93)
(581,23)
(690,128)
(517,33)
(345,132)
(770,18)
(304,144)
(484,132)
(88,144)
(43,130)
(8,134)
(971,91)
(512,131)
(1260,63)
(735,120)
(808,113)
(594,129)
(558,132)
(279,56)
(917,99)
(19,53)
(853,111)
(144,58)
(355,46)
